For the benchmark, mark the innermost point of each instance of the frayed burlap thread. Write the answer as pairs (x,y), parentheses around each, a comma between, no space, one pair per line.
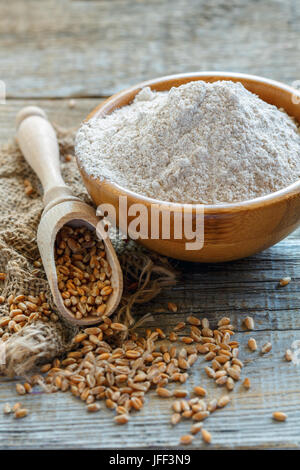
(20,214)
(36,342)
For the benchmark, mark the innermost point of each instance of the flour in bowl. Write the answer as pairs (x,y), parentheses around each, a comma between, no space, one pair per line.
(198,143)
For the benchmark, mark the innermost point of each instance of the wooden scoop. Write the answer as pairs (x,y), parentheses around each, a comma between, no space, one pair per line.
(37,140)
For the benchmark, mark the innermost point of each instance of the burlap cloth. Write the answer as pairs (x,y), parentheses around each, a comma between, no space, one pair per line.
(19,218)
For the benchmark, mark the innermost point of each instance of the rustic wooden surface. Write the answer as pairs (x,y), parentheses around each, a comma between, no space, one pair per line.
(56,49)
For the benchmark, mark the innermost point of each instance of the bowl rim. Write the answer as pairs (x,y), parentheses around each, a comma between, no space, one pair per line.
(106,107)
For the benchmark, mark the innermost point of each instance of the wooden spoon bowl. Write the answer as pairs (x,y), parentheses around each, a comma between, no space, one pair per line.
(76,214)
(231,231)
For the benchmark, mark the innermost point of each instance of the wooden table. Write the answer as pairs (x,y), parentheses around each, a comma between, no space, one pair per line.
(57,49)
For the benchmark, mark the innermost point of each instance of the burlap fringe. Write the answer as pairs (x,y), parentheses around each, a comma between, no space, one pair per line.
(35,343)
(151,275)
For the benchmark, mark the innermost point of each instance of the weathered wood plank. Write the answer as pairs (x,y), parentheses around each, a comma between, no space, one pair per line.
(58,111)
(66,48)
(236,289)
(61,421)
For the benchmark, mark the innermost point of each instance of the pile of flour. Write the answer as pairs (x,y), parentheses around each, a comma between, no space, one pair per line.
(198,143)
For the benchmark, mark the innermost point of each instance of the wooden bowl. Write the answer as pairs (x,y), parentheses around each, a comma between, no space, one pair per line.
(231,231)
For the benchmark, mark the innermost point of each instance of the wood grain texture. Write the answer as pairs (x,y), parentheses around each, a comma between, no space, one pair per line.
(62,48)
(84,48)
(58,112)
(246,423)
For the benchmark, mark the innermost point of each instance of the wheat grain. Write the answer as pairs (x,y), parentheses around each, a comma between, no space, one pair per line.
(266,348)
(247,383)
(20,389)
(201,415)
(200,391)
(163,392)
(285,281)
(279,416)
(186,439)
(7,408)
(193,321)
(206,436)
(252,344)
(83,273)
(249,323)
(121,419)
(172,307)
(195,428)
(21,413)
(93,407)
(288,355)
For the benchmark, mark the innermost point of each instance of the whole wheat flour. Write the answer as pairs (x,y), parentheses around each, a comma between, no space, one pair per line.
(198,143)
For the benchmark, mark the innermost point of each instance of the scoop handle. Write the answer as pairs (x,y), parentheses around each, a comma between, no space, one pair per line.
(38,142)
